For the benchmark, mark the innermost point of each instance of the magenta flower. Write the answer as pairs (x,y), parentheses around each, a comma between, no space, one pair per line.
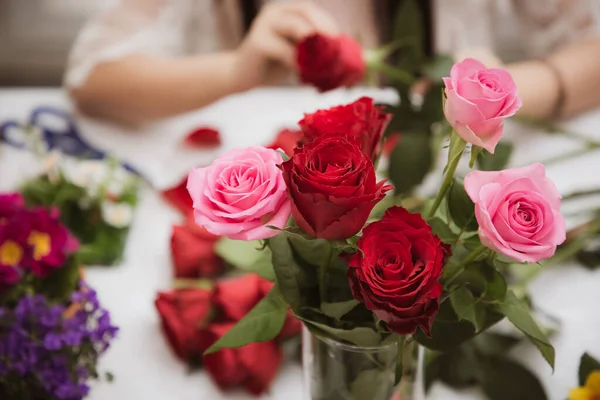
(14,251)
(10,203)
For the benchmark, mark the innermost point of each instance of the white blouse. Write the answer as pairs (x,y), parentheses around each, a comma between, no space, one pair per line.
(512,29)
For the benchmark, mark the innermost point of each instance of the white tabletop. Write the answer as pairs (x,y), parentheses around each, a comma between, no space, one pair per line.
(140,359)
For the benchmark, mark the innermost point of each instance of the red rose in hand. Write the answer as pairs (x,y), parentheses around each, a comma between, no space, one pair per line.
(286,140)
(203,137)
(253,366)
(361,122)
(397,269)
(193,252)
(333,187)
(183,312)
(328,62)
(237,296)
(179,197)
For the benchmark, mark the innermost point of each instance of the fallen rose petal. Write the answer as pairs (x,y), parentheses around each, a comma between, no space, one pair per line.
(203,137)
(286,140)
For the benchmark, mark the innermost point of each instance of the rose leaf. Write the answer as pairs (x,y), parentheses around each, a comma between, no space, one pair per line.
(261,324)
(505,379)
(461,208)
(497,161)
(517,312)
(339,309)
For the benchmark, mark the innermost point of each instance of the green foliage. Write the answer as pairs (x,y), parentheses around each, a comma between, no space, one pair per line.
(518,313)
(262,323)
(409,29)
(247,256)
(410,162)
(587,365)
(460,207)
(497,161)
(505,379)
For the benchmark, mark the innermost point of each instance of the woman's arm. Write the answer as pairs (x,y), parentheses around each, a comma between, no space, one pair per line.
(139,88)
(576,68)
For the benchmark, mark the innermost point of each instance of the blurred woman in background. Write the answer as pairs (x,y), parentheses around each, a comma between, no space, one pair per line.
(149,59)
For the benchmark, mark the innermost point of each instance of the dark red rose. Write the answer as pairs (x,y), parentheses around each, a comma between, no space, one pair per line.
(291,327)
(332,186)
(183,313)
(397,269)
(286,140)
(193,253)
(235,297)
(361,122)
(328,62)
(179,197)
(203,137)
(253,366)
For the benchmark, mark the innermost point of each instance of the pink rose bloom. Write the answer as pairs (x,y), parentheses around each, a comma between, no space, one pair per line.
(517,211)
(240,194)
(477,101)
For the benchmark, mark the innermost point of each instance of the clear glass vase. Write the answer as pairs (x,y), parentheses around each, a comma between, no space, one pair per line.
(339,371)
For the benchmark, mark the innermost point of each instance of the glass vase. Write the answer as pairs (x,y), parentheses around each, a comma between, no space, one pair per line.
(338,371)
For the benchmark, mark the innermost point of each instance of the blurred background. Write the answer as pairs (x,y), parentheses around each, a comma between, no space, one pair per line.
(35,37)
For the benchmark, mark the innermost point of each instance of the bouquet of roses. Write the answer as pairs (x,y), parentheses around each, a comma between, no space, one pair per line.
(432,275)
(52,328)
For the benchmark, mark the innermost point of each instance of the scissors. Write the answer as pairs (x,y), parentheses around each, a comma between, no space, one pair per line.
(68,141)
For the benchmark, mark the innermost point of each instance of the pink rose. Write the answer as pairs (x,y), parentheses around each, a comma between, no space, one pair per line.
(240,194)
(517,211)
(477,101)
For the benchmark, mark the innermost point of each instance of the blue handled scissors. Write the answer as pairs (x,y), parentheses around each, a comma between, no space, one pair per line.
(68,141)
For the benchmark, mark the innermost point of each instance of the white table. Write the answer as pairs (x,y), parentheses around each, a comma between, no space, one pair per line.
(140,359)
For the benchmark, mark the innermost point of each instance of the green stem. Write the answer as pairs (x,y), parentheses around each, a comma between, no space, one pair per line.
(575,153)
(475,254)
(323,274)
(448,178)
(582,193)
(392,72)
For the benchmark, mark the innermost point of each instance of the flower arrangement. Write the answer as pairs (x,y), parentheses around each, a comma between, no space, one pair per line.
(53,327)
(96,199)
(432,274)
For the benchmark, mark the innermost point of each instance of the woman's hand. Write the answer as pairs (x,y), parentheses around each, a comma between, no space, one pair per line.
(268,53)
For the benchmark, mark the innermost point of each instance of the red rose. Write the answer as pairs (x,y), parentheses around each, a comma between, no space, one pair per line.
(397,269)
(253,366)
(391,142)
(286,140)
(183,312)
(330,62)
(237,296)
(361,122)
(179,197)
(203,137)
(333,187)
(193,252)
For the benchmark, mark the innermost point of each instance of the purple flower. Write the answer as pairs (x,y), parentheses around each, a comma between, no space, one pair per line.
(52,341)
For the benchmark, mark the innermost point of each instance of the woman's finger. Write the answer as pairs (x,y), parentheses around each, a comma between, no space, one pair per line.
(320,20)
(291,26)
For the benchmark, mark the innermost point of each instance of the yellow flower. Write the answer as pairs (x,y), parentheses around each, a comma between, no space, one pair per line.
(591,390)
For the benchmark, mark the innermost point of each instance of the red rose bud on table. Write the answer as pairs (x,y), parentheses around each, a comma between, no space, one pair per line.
(253,366)
(361,122)
(396,271)
(286,140)
(193,253)
(179,197)
(333,187)
(329,62)
(183,313)
(478,99)
(235,297)
(203,137)
(518,211)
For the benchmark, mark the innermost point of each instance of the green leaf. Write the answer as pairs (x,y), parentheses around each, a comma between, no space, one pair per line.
(460,367)
(475,152)
(239,253)
(438,67)
(505,379)
(495,344)
(442,230)
(460,206)
(409,28)
(587,365)
(371,384)
(455,149)
(296,278)
(262,323)
(465,307)
(400,346)
(517,312)
(360,336)
(338,310)
(497,161)
(61,283)
(410,162)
